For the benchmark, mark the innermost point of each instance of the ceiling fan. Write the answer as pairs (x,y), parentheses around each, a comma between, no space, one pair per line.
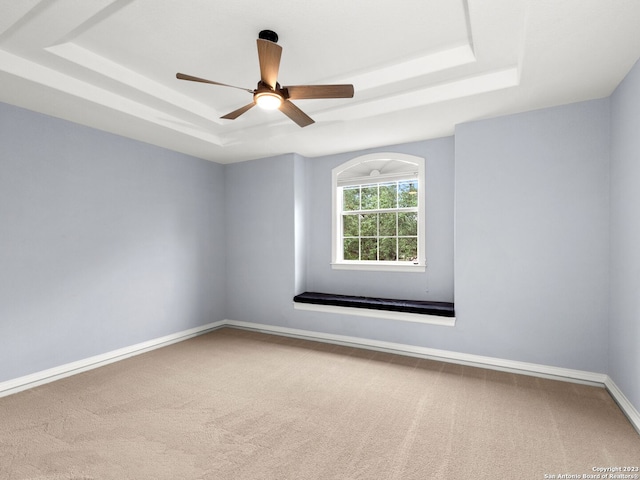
(269,94)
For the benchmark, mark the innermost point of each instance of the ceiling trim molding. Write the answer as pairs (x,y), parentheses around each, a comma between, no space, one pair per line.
(438,93)
(52,78)
(116,72)
(438,61)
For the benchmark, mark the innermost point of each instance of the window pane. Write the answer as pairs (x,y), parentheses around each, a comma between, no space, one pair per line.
(350,225)
(368,249)
(407,223)
(388,195)
(408,194)
(407,249)
(370,197)
(388,249)
(388,224)
(378,218)
(369,225)
(351,198)
(351,249)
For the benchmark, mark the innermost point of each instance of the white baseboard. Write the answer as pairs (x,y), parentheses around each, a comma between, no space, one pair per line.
(557,373)
(623,402)
(46,376)
(513,366)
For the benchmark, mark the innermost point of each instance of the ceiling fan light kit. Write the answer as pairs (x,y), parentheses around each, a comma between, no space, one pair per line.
(268,100)
(269,94)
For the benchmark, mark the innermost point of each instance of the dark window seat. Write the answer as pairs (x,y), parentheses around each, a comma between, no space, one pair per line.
(441,309)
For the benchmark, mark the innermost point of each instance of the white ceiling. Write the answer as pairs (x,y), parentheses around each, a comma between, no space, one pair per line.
(419,67)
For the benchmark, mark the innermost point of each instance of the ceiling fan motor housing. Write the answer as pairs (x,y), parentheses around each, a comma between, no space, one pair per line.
(268,35)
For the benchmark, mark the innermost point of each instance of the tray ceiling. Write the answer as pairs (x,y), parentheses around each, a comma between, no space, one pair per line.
(419,67)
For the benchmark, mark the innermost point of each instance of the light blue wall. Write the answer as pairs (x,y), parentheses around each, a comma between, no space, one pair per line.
(261,244)
(624,332)
(532,236)
(302,221)
(104,242)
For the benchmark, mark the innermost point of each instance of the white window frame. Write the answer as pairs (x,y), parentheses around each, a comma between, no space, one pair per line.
(337,261)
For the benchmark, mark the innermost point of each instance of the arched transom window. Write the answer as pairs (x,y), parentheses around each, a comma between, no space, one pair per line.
(378,213)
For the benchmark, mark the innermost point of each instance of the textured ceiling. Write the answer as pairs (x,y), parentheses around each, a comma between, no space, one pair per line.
(419,67)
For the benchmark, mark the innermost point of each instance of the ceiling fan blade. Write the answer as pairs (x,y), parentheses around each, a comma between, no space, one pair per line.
(236,113)
(295,114)
(319,91)
(269,56)
(182,76)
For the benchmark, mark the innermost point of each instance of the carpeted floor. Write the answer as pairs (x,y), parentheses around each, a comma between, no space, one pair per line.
(234,404)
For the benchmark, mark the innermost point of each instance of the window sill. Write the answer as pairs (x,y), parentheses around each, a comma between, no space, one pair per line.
(380,267)
(434,313)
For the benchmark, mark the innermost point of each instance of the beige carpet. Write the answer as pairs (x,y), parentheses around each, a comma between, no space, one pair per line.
(240,405)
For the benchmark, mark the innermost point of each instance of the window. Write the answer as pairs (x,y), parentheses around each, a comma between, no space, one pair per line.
(378,213)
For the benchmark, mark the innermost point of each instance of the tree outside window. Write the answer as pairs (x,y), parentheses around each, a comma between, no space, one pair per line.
(378,210)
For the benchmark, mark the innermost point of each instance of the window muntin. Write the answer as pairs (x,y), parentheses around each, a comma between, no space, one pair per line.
(378,213)
(380,221)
